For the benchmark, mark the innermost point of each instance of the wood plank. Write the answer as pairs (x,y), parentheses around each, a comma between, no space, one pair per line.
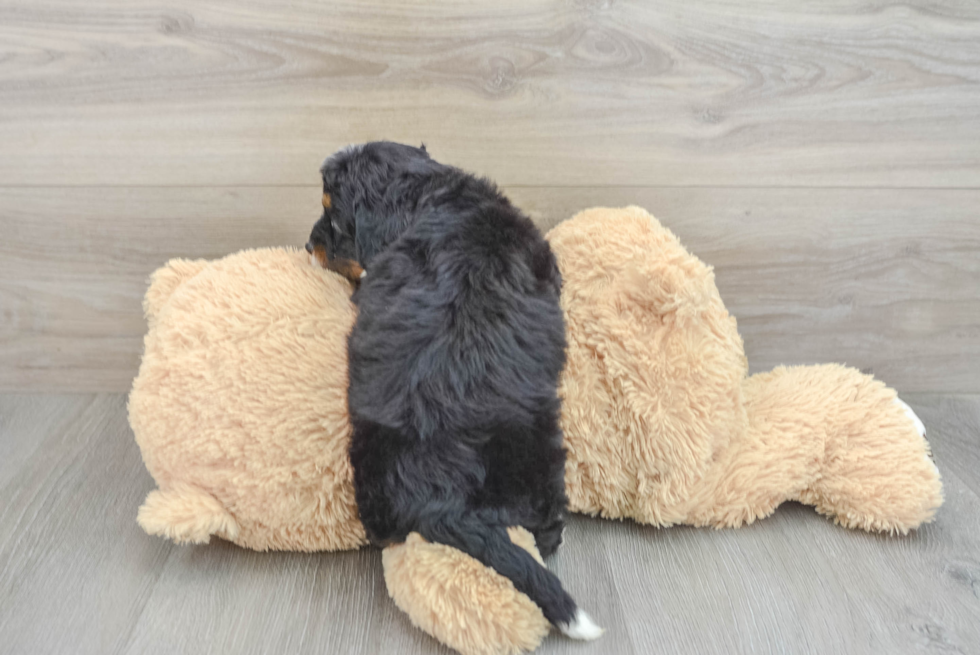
(31,419)
(320,603)
(797,583)
(850,93)
(74,265)
(78,575)
(884,280)
(958,423)
(75,570)
(887,281)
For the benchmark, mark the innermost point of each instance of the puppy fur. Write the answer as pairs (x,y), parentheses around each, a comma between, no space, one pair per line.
(454,362)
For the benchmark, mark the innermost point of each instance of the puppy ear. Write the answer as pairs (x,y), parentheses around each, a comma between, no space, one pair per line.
(422,148)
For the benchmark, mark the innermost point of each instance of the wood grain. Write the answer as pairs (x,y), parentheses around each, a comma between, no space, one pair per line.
(78,575)
(551,92)
(822,156)
(74,574)
(959,425)
(884,280)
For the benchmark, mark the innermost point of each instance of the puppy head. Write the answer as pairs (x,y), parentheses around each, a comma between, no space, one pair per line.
(359,217)
(332,242)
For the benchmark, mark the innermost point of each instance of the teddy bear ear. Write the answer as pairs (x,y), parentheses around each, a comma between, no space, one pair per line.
(165,280)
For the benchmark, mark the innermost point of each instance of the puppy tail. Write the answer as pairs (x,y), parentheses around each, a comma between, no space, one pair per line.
(491,545)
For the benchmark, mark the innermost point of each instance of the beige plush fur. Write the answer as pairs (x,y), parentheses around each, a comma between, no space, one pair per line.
(663,424)
(240,406)
(459,601)
(239,410)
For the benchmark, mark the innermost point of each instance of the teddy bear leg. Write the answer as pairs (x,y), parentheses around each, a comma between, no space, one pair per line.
(877,471)
(460,602)
(828,436)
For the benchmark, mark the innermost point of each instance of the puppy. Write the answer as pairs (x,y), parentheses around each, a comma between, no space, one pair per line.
(454,362)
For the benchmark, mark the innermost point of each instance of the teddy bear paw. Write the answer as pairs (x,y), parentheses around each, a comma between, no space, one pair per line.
(919,426)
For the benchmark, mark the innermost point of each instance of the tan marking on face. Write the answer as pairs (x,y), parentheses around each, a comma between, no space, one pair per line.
(346,267)
(320,256)
(349,268)
(326,201)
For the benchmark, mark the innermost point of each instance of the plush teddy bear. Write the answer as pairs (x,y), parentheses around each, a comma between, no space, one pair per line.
(239,410)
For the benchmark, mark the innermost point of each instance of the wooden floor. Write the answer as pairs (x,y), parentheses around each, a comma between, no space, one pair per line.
(78,576)
(823,156)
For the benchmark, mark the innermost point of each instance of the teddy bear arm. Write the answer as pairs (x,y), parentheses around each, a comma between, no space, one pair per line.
(186,514)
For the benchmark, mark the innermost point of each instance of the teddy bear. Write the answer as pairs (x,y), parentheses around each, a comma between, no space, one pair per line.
(239,410)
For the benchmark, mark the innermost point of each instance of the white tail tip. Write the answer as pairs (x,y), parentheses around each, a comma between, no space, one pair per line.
(581,627)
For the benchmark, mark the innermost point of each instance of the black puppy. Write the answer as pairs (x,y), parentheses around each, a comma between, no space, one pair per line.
(454,362)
